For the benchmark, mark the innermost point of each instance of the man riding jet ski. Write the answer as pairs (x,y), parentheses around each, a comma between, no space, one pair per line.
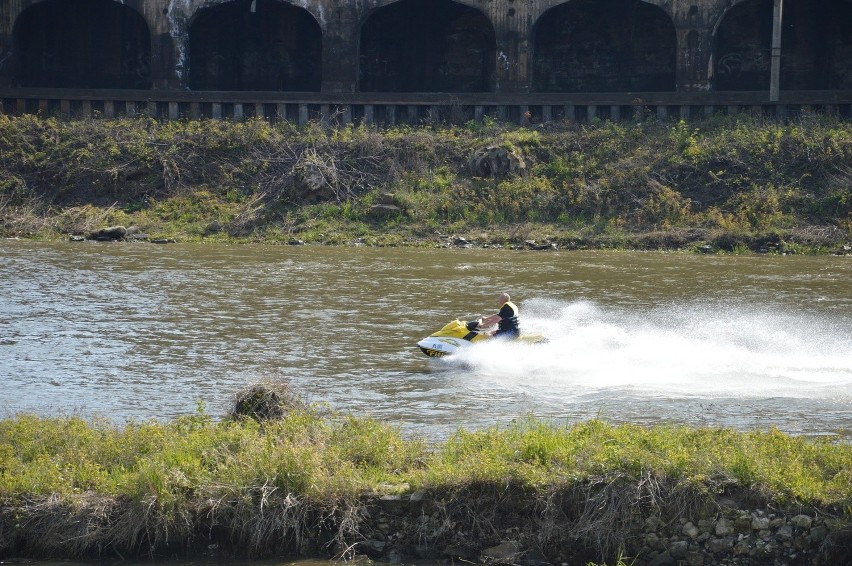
(506,318)
(459,334)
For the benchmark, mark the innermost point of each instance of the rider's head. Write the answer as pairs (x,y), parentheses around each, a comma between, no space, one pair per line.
(503,298)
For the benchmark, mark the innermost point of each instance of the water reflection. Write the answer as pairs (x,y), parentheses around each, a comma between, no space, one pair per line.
(142,331)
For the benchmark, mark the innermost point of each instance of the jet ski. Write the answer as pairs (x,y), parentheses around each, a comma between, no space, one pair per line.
(460,334)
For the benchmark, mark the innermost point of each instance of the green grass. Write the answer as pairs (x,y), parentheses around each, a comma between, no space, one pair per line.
(327,458)
(729,182)
(72,487)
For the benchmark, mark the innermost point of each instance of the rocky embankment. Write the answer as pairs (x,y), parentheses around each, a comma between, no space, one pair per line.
(399,528)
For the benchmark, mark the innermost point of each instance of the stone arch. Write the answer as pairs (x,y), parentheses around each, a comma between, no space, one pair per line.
(604,46)
(427,46)
(245,45)
(82,44)
(816,46)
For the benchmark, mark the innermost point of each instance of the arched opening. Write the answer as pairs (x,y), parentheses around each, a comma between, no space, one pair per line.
(82,44)
(743,43)
(604,46)
(816,46)
(427,46)
(255,45)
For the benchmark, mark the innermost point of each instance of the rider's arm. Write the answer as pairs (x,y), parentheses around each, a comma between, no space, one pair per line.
(489,321)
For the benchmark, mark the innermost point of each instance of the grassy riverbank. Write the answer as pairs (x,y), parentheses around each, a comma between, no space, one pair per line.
(306,481)
(729,184)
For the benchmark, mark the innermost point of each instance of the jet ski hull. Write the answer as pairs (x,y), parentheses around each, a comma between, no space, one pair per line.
(440,346)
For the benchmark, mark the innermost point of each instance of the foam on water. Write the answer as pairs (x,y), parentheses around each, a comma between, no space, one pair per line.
(684,351)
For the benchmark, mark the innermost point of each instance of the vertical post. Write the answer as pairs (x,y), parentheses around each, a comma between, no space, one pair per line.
(434,114)
(615,113)
(775,73)
(524,120)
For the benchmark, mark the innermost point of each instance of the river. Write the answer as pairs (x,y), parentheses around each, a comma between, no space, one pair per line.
(142,331)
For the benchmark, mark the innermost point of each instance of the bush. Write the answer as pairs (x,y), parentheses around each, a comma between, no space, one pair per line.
(270,399)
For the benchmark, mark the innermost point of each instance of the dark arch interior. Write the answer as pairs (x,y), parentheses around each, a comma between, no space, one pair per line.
(427,46)
(82,44)
(816,46)
(255,45)
(604,46)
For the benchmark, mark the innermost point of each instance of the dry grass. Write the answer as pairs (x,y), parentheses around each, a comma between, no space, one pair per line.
(268,399)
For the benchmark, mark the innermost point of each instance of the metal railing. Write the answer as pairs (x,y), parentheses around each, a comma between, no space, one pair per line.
(412,108)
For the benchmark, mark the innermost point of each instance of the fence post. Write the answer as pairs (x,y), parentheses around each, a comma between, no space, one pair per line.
(615,113)
(591,112)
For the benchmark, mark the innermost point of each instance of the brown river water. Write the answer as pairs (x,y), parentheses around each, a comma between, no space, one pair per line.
(141,331)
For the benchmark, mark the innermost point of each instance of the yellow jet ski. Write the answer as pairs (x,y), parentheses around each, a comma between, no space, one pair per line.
(460,334)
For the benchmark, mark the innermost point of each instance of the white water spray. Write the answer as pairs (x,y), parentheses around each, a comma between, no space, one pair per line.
(678,351)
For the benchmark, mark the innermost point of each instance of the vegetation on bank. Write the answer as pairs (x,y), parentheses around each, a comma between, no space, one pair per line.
(728,183)
(71,487)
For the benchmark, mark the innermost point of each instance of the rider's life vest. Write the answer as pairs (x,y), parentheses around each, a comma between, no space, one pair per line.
(508,319)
